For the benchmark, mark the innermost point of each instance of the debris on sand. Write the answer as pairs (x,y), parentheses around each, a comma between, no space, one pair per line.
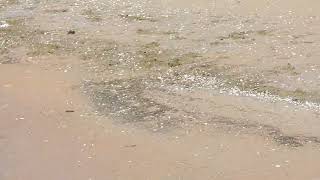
(69,111)
(71,32)
(130,146)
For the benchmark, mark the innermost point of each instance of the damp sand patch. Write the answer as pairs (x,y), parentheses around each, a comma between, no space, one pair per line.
(124,100)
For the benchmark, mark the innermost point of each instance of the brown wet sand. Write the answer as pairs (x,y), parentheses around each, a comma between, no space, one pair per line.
(40,140)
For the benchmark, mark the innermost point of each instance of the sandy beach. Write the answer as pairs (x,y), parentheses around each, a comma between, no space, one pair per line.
(169,89)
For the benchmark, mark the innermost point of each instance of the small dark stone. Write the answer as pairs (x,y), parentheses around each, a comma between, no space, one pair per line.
(69,111)
(71,32)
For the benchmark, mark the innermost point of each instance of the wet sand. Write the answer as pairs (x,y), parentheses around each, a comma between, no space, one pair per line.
(39,139)
(159,90)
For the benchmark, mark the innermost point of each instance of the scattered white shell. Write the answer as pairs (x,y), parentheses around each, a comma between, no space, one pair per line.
(3,24)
